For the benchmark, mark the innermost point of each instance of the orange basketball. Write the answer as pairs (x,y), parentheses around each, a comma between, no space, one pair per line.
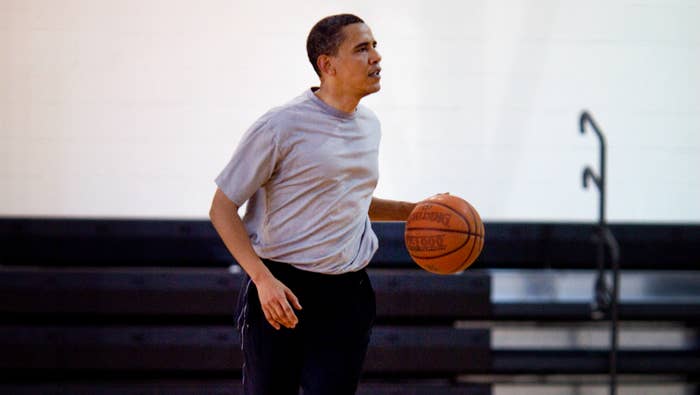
(444,234)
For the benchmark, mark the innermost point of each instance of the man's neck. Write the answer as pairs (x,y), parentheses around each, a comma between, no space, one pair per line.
(333,98)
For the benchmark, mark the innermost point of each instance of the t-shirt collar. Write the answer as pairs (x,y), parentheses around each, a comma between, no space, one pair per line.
(327,107)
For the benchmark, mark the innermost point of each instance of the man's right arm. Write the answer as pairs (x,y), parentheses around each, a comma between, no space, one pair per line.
(275,297)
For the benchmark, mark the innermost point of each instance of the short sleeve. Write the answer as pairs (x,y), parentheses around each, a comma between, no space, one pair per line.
(252,164)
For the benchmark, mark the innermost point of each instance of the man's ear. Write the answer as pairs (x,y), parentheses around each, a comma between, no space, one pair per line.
(325,65)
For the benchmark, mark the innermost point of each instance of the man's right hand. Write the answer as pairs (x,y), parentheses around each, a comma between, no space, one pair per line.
(276,301)
(275,297)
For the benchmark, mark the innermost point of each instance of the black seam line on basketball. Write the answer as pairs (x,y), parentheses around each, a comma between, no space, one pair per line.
(467,258)
(448,231)
(471,211)
(448,253)
(454,211)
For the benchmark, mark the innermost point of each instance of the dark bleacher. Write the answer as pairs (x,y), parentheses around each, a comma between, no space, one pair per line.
(145,307)
(170,243)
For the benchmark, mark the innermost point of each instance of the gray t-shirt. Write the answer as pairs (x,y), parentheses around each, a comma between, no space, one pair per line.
(308,172)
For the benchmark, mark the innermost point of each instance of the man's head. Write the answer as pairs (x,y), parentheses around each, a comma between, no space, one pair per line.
(327,35)
(342,50)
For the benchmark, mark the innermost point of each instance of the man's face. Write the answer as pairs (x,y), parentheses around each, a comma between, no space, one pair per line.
(357,61)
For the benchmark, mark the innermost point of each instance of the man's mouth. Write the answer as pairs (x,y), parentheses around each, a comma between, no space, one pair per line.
(376,73)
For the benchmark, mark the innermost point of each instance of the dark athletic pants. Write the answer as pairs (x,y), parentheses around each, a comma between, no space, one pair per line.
(324,353)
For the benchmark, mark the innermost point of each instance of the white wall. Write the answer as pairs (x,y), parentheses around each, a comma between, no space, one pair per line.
(129,108)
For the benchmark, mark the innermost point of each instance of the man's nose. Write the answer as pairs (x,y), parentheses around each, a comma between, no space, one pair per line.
(376,57)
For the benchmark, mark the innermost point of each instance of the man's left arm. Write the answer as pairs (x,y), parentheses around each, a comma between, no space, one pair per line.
(389,210)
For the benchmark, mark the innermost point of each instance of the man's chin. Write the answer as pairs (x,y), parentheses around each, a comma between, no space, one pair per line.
(374,89)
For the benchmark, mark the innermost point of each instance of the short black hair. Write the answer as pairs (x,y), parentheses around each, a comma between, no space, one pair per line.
(326,36)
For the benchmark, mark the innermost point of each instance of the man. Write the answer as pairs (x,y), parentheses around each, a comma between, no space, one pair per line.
(308,170)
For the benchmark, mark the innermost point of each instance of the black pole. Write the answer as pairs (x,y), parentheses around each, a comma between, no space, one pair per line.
(615,258)
(588,172)
(606,300)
